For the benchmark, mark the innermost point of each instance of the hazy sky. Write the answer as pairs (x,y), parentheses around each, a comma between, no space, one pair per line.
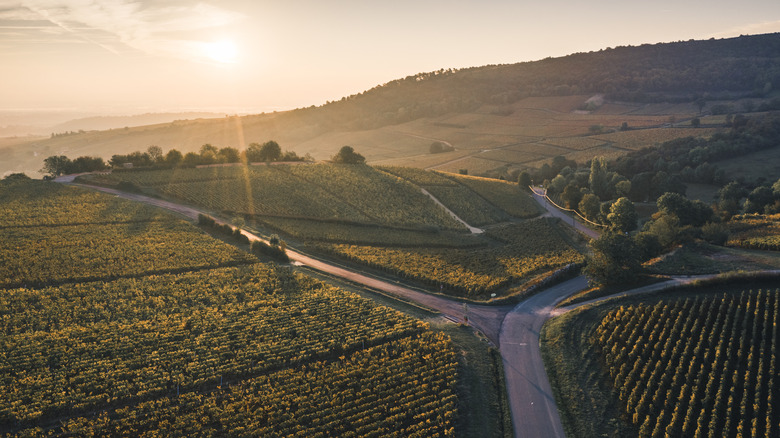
(255,55)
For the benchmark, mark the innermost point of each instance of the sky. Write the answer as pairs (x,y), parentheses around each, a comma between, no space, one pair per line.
(243,56)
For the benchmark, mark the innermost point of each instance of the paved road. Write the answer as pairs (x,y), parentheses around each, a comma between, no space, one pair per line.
(514,330)
(487,319)
(534,412)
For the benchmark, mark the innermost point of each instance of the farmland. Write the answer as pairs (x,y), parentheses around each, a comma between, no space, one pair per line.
(521,252)
(755,232)
(209,340)
(699,363)
(378,218)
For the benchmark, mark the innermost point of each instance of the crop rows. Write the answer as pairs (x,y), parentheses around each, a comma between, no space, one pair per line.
(527,249)
(577,143)
(379,195)
(79,347)
(755,232)
(638,139)
(41,203)
(420,177)
(468,205)
(504,195)
(333,192)
(46,255)
(189,351)
(338,232)
(697,367)
(400,388)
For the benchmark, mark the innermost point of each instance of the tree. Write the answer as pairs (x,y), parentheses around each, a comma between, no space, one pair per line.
(438,147)
(622,216)
(269,151)
(728,198)
(758,199)
(598,177)
(208,154)
(524,180)
(695,122)
(229,155)
(173,158)
(55,165)
(590,206)
(16,177)
(155,153)
(86,164)
(191,159)
(571,196)
(347,155)
(614,259)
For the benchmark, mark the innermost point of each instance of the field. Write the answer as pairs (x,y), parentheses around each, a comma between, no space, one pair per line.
(519,253)
(380,219)
(762,164)
(699,363)
(195,345)
(318,191)
(755,232)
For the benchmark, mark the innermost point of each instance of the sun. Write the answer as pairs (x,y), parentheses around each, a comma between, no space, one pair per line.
(224,52)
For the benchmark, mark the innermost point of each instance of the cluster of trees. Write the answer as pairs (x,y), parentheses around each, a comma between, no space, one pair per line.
(438,147)
(689,159)
(603,193)
(57,165)
(347,155)
(269,151)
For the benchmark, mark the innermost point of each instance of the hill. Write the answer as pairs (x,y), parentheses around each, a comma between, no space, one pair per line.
(180,334)
(498,118)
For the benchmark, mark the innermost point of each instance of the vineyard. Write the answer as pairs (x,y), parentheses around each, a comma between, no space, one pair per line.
(696,367)
(505,195)
(110,328)
(755,232)
(320,191)
(40,204)
(519,252)
(362,234)
(701,365)
(641,138)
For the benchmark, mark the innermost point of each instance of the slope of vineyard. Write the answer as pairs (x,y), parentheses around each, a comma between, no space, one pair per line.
(755,232)
(518,253)
(697,366)
(350,193)
(166,340)
(478,201)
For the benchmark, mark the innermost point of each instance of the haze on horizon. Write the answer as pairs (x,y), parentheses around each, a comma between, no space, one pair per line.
(131,56)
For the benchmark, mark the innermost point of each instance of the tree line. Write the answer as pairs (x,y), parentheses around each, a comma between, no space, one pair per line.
(153,157)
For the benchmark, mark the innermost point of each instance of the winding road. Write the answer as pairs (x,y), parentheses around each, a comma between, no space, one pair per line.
(514,330)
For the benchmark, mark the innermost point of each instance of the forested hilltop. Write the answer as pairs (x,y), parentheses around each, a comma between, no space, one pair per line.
(680,71)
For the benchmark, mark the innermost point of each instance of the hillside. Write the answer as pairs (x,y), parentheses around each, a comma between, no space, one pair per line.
(118,319)
(499,119)
(380,219)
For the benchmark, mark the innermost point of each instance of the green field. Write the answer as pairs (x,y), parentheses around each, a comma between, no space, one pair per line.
(698,363)
(380,219)
(517,254)
(192,346)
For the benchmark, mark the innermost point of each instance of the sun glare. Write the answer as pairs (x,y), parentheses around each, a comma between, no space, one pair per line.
(224,52)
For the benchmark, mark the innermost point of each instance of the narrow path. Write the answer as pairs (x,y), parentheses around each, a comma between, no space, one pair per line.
(568,220)
(474,230)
